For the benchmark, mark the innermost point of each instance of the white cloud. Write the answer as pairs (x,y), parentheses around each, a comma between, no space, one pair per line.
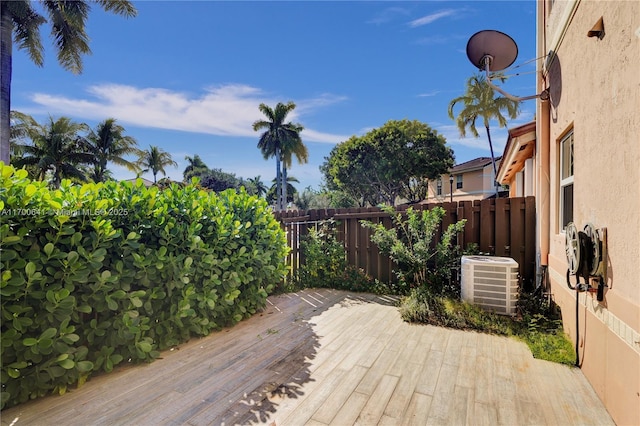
(322,100)
(428,94)
(387,15)
(428,19)
(225,110)
(312,135)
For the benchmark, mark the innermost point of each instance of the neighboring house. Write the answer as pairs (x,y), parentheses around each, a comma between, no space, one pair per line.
(587,158)
(517,170)
(472,180)
(146,182)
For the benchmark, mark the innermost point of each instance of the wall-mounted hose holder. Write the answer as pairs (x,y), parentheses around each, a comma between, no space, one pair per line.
(587,259)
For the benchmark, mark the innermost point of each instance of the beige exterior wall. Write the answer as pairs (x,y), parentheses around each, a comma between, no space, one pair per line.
(529,178)
(523,182)
(476,185)
(595,90)
(515,185)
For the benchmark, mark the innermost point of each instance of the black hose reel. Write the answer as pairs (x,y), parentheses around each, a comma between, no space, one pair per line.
(586,257)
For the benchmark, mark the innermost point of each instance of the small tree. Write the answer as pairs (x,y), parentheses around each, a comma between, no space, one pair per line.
(409,245)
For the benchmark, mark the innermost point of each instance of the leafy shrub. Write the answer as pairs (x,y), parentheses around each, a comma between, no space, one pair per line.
(409,244)
(325,264)
(324,257)
(98,274)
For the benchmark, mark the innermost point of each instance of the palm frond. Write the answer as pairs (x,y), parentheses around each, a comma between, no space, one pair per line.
(155,159)
(26,28)
(68,19)
(480,101)
(120,7)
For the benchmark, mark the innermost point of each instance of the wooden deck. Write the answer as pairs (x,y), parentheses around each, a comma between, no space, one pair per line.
(322,357)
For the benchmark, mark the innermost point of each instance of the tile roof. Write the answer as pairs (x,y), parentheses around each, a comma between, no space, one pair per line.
(476,163)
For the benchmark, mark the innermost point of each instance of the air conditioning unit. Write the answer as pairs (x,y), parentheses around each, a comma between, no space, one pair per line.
(490,282)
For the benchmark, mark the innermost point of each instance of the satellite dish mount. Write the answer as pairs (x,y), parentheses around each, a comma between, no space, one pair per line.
(492,51)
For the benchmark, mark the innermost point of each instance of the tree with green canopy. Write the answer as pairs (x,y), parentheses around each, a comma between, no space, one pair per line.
(20,24)
(479,101)
(218,180)
(386,162)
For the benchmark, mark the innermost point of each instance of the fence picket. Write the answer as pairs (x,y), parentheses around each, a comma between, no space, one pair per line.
(530,243)
(502,228)
(516,232)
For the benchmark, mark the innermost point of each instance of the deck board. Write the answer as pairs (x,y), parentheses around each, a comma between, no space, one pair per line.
(326,357)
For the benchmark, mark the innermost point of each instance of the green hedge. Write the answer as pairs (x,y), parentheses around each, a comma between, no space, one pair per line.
(100,274)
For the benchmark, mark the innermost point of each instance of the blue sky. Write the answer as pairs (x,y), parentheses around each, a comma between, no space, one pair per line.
(189,76)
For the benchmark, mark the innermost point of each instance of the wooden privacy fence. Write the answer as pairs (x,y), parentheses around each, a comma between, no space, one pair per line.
(500,227)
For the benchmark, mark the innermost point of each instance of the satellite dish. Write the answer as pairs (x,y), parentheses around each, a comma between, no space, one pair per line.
(493,46)
(492,51)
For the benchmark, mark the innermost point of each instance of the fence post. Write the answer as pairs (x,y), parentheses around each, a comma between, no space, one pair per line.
(487,226)
(530,242)
(517,235)
(502,227)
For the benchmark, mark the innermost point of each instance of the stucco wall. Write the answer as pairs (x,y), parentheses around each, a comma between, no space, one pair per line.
(595,89)
(476,185)
(523,182)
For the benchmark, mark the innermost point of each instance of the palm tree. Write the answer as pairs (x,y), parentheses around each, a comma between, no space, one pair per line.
(196,167)
(20,22)
(92,174)
(291,190)
(480,102)
(108,143)
(55,147)
(155,159)
(293,146)
(303,201)
(19,136)
(279,139)
(259,186)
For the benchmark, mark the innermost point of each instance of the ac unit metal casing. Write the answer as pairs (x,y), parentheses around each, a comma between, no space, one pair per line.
(490,282)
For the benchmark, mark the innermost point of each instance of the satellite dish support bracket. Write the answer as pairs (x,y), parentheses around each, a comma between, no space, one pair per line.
(486,61)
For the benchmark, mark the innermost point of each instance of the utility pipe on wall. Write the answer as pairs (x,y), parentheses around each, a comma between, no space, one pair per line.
(544,178)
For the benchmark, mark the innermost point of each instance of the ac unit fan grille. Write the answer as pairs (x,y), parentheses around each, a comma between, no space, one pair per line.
(491,283)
